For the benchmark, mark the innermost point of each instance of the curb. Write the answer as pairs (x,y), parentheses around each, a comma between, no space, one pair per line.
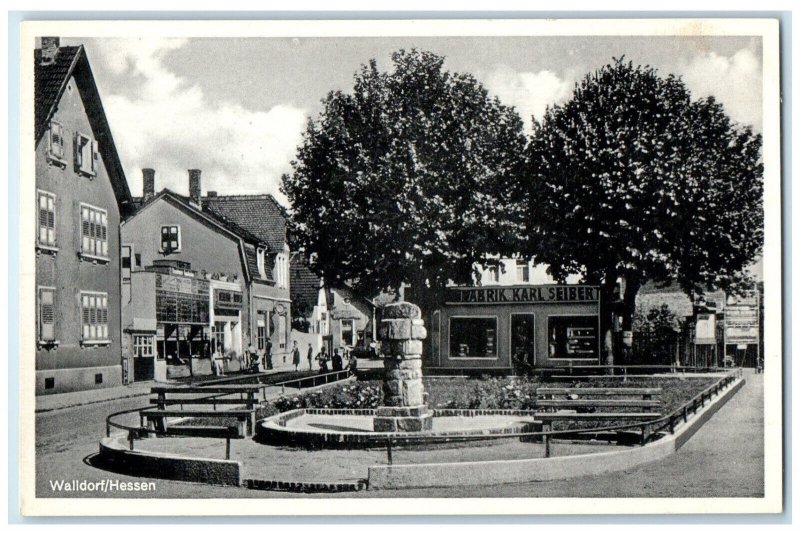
(305,487)
(91,402)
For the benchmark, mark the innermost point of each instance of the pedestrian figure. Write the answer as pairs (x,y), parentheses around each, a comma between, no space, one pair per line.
(268,355)
(337,360)
(295,356)
(323,360)
(310,357)
(353,364)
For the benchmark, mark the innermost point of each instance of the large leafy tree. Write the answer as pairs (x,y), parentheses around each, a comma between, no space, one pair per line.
(632,179)
(410,178)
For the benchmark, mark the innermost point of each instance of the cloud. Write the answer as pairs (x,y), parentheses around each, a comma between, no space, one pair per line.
(734,81)
(160,120)
(529,92)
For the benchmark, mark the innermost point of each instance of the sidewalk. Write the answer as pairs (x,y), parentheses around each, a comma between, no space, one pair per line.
(52,402)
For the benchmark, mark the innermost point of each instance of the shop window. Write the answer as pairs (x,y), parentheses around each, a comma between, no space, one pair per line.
(170,239)
(94,232)
(55,147)
(143,346)
(473,337)
(523,271)
(47,220)
(523,352)
(47,317)
(218,338)
(572,337)
(87,156)
(94,318)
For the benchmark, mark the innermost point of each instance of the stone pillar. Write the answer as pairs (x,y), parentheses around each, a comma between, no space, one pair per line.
(401,333)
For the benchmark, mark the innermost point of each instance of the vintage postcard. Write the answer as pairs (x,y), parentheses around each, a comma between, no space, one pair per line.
(400,267)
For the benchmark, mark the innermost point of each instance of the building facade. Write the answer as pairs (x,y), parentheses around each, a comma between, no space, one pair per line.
(81,196)
(196,284)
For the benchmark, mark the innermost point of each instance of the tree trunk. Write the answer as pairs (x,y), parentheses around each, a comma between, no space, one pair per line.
(607,291)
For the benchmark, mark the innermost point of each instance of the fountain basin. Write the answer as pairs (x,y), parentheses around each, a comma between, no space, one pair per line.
(353,428)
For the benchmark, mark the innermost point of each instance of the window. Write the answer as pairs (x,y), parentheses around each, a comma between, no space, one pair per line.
(94,232)
(47,315)
(87,158)
(473,337)
(218,338)
(348,332)
(170,239)
(94,317)
(143,345)
(260,259)
(262,331)
(125,264)
(523,271)
(47,220)
(55,145)
(572,337)
(493,274)
(523,347)
(282,331)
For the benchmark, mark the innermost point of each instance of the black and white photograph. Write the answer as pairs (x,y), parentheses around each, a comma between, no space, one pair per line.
(293,265)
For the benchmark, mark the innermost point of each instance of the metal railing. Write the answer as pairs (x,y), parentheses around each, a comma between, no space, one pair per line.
(647,428)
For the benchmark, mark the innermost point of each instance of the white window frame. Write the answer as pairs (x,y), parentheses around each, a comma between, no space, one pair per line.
(90,252)
(261,261)
(161,241)
(56,155)
(86,147)
(94,333)
(474,316)
(144,342)
(40,340)
(493,274)
(39,243)
(523,272)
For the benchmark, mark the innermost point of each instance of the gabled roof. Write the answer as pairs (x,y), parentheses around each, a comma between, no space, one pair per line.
(50,82)
(305,284)
(233,230)
(260,215)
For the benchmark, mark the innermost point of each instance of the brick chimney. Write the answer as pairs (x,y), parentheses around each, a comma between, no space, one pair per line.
(148,183)
(49,49)
(195,189)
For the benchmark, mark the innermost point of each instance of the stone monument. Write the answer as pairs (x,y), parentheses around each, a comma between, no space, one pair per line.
(401,333)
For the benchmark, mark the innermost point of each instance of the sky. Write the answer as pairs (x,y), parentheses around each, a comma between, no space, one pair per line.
(236,108)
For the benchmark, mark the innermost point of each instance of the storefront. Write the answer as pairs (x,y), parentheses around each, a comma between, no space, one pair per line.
(515,327)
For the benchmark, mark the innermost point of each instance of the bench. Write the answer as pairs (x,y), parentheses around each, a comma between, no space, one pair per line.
(595,404)
(215,396)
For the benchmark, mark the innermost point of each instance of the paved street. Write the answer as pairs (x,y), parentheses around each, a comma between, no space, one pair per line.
(725,458)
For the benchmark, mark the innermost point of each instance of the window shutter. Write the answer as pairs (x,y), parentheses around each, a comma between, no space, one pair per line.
(95,156)
(46,315)
(77,151)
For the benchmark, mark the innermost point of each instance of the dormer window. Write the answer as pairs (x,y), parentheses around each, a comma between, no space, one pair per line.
(261,260)
(55,143)
(87,157)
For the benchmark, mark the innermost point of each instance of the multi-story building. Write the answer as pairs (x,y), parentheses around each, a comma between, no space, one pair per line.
(81,195)
(196,283)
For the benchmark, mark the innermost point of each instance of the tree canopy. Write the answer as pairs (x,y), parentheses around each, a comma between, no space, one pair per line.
(632,178)
(409,178)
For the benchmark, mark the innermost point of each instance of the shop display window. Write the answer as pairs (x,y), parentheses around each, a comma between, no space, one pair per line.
(473,337)
(572,337)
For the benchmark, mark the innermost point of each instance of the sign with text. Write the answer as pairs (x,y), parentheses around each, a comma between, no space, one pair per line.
(741,319)
(523,294)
